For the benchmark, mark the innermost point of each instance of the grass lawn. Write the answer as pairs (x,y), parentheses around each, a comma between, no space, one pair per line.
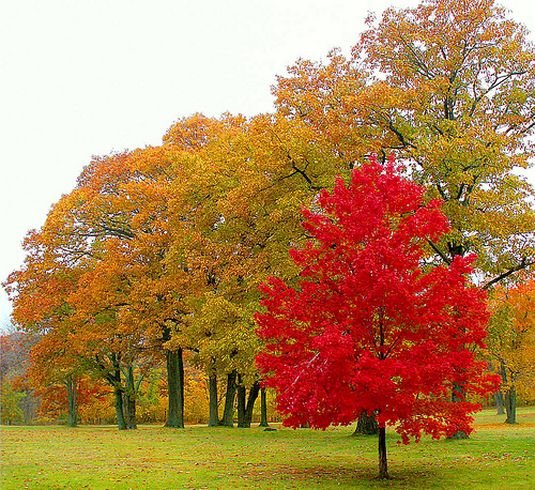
(497,456)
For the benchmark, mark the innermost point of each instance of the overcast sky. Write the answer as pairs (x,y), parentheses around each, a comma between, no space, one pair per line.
(87,77)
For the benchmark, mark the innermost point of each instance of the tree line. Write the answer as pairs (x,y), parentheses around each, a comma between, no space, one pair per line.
(155,258)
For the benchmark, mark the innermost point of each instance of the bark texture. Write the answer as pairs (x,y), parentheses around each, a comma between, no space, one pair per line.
(500,403)
(213,418)
(175,388)
(70,383)
(228,412)
(130,395)
(366,425)
(383,462)
(263,409)
(510,406)
(254,391)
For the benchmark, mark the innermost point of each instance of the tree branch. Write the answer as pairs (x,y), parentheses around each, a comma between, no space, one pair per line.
(523,265)
(443,256)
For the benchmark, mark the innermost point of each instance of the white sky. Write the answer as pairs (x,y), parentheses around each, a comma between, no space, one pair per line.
(85,77)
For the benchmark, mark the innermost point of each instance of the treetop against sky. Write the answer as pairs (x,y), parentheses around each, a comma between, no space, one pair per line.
(95,77)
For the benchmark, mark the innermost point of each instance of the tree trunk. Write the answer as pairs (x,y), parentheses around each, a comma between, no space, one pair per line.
(213,419)
(228,412)
(175,389)
(251,400)
(70,383)
(129,403)
(510,406)
(510,397)
(263,409)
(366,424)
(241,403)
(118,390)
(383,463)
(119,411)
(500,403)
(28,405)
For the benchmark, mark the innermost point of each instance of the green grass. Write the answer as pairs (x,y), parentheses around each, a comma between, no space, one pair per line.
(497,456)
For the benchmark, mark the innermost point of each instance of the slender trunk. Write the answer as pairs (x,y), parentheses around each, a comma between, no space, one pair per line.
(70,383)
(251,400)
(175,389)
(500,403)
(213,419)
(383,463)
(503,374)
(366,424)
(510,397)
(228,412)
(28,405)
(263,409)
(130,399)
(510,405)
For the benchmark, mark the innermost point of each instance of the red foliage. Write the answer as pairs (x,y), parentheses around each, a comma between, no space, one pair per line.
(53,398)
(372,326)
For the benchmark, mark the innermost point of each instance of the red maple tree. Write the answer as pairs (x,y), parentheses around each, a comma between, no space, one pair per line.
(372,325)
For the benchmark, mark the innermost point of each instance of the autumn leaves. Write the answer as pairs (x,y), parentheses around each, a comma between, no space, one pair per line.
(370,327)
(160,251)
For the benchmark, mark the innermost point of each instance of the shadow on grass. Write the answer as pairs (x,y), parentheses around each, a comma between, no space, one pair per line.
(364,476)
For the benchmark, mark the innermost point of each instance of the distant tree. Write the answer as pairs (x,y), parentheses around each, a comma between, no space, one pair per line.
(15,350)
(10,409)
(371,326)
(512,342)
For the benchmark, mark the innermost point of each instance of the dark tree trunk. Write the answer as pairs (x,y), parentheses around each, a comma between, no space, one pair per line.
(510,406)
(457,395)
(500,403)
(366,425)
(70,383)
(175,389)
(118,390)
(130,399)
(383,463)
(263,409)
(129,407)
(251,400)
(509,399)
(241,393)
(228,412)
(213,419)
(119,411)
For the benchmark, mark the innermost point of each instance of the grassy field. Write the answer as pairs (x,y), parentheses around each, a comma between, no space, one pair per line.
(497,456)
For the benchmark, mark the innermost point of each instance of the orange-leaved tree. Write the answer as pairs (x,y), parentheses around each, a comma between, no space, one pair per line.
(512,342)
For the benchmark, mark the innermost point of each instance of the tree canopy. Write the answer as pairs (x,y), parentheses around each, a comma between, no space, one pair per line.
(369,326)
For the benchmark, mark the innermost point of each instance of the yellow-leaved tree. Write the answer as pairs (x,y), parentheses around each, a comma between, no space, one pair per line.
(448,86)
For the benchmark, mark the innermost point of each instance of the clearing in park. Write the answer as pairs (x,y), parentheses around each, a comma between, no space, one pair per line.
(496,456)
